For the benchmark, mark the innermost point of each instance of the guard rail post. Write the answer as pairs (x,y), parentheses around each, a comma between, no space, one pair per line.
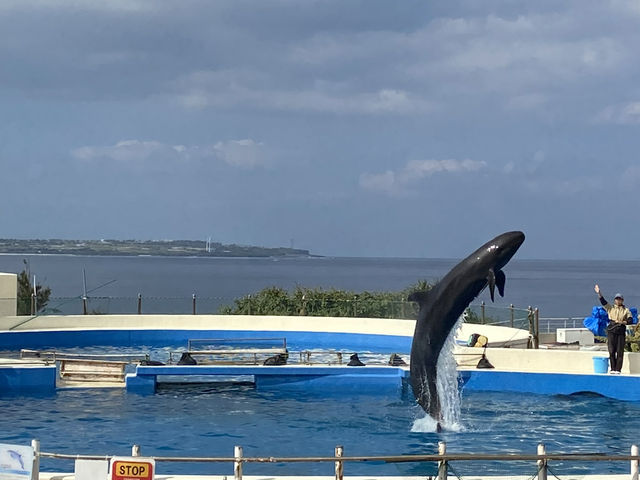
(531,327)
(35,444)
(139,304)
(193,301)
(135,451)
(542,463)
(634,463)
(339,464)
(442,464)
(537,327)
(512,314)
(237,464)
(482,310)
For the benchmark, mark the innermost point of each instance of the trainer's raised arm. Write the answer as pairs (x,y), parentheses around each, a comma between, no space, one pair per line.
(597,290)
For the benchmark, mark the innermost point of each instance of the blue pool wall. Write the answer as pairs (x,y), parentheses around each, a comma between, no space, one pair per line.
(382,335)
(159,338)
(28,378)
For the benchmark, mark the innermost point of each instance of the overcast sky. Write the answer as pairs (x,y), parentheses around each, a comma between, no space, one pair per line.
(349,128)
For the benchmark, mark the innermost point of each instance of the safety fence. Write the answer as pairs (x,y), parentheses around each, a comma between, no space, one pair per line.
(551,324)
(541,464)
(357,307)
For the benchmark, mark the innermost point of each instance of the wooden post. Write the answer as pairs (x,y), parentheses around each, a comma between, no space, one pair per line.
(139,303)
(339,464)
(35,444)
(442,464)
(634,463)
(482,310)
(194,303)
(135,451)
(542,463)
(33,304)
(237,465)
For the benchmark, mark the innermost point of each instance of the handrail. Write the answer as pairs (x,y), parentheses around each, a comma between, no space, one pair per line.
(448,457)
(25,352)
(442,458)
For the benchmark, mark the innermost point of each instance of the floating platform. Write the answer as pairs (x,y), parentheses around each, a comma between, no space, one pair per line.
(335,378)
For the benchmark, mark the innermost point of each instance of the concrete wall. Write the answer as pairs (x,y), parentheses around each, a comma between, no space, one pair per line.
(543,360)
(8,294)
(376,326)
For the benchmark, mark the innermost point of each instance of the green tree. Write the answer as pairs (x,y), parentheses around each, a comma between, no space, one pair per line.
(25,290)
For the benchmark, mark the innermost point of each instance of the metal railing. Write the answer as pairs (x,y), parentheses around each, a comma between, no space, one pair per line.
(540,461)
(195,304)
(551,324)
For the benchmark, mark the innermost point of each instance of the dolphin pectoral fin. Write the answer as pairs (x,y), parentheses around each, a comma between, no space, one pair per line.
(491,278)
(501,279)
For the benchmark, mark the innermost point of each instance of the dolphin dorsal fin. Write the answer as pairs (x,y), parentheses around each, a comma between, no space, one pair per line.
(419,297)
(501,279)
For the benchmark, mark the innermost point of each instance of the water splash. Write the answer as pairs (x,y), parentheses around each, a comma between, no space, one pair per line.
(448,392)
(425,424)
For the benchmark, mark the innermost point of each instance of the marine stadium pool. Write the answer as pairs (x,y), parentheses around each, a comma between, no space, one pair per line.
(209,419)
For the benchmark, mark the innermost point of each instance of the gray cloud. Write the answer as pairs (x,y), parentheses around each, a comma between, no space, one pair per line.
(245,153)
(622,114)
(400,182)
(247,56)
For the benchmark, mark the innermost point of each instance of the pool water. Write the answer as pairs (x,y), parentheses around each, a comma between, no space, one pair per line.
(209,419)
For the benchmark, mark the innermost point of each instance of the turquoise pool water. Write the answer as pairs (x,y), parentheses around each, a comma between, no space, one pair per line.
(208,420)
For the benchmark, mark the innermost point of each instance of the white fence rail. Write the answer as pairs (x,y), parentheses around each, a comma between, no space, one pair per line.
(539,461)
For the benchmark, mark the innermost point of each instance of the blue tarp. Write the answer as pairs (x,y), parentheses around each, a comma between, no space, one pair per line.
(597,322)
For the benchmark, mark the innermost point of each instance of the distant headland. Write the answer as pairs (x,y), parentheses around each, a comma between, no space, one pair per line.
(165,248)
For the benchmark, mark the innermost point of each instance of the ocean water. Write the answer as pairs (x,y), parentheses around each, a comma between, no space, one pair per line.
(557,288)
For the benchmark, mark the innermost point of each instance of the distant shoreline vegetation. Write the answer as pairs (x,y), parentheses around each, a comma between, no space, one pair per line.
(162,248)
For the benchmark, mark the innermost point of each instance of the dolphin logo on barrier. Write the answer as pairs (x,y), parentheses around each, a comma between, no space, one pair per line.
(441,307)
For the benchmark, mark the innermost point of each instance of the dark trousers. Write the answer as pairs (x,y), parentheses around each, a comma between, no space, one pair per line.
(615,341)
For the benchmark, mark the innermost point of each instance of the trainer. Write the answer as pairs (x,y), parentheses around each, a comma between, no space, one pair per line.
(619,317)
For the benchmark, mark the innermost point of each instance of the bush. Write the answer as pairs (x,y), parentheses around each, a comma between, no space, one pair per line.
(328,303)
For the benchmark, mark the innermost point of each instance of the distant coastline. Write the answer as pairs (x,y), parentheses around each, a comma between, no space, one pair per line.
(156,248)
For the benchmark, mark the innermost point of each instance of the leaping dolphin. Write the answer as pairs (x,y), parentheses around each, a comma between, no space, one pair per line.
(441,307)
